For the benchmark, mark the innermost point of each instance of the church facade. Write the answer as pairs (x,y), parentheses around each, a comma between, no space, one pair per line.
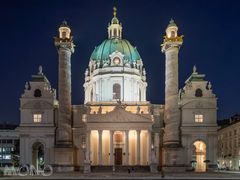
(117,127)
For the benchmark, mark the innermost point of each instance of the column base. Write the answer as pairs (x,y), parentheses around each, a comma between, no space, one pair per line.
(154,168)
(63,159)
(211,167)
(86,167)
(174,159)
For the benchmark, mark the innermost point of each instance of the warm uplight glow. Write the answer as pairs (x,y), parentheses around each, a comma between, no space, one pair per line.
(37,118)
(118,135)
(200,152)
(64,32)
(94,147)
(107,109)
(132,147)
(105,147)
(84,118)
(171,32)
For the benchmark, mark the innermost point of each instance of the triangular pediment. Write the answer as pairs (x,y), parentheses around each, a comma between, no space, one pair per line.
(119,115)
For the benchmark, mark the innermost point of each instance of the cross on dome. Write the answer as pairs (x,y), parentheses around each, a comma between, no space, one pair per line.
(114,11)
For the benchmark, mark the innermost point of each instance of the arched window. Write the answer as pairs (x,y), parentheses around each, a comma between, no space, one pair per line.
(172,34)
(198,93)
(37,93)
(116,91)
(115,32)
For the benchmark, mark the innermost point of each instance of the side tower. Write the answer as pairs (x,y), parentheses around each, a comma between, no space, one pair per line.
(64,151)
(199,122)
(172,152)
(37,123)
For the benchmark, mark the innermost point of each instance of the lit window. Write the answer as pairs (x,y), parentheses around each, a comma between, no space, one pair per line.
(198,118)
(37,118)
(7,156)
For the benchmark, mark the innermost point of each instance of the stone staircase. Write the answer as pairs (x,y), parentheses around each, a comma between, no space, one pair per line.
(120,168)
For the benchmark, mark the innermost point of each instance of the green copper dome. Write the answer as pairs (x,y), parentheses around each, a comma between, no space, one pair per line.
(108,46)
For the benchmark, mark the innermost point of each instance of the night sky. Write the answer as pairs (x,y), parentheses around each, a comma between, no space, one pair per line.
(211,41)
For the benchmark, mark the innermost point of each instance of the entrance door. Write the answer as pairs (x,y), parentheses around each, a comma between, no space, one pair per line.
(200,156)
(38,155)
(118,156)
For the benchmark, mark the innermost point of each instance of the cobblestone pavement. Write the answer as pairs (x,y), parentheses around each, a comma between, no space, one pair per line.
(187,175)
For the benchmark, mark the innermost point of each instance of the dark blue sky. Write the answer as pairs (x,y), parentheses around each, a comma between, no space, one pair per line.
(211,41)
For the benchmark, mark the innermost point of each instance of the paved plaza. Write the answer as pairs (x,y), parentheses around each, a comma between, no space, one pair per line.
(186,175)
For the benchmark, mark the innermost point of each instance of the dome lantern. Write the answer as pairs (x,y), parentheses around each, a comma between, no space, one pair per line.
(115,27)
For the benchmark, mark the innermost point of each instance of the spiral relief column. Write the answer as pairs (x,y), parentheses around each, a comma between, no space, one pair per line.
(64,151)
(172,149)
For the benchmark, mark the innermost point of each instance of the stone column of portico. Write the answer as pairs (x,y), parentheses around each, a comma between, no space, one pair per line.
(127,146)
(156,145)
(149,146)
(138,147)
(111,147)
(86,163)
(88,142)
(99,147)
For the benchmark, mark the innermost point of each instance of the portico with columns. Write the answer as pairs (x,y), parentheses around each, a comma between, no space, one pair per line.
(119,138)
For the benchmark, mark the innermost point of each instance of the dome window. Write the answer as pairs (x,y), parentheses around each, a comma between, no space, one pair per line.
(116,61)
(37,93)
(115,33)
(116,91)
(198,93)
